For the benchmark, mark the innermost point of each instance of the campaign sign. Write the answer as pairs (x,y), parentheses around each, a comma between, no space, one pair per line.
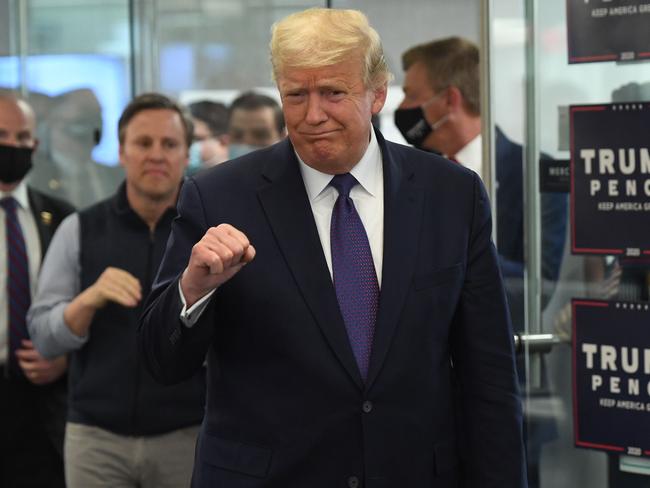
(610,179)
(611,376)
(608,30)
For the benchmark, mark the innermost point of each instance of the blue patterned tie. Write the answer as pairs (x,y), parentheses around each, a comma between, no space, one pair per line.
(19,296)
(355,280)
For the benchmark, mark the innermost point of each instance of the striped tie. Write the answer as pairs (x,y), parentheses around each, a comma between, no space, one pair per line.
(355,279)
(17,283)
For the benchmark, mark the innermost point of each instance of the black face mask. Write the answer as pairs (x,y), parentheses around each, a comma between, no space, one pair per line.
(414,126)
(15,163)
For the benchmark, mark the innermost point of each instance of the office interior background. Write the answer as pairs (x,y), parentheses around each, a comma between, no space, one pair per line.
(80,61)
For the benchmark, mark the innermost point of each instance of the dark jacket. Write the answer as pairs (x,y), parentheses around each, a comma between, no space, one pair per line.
(109,386)
(286,403)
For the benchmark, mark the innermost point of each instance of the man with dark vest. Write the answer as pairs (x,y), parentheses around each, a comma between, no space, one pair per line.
(123,429)
(32,388)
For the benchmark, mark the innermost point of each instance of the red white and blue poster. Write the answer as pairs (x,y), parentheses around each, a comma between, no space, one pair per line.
(610,179)
(611,376)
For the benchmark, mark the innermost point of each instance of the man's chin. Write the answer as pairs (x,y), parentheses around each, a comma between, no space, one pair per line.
(324,161)
(157,193)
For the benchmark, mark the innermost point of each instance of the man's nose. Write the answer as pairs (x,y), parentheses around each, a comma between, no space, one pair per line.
(157,152)
(315,112)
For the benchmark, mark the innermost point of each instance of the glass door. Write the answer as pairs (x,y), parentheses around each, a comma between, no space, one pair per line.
(572,305)
(72,62)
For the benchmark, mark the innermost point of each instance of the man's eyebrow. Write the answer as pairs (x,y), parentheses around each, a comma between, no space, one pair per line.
(171,139)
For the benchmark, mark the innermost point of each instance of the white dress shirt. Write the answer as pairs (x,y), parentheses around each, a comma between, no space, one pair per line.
(471,156)
(33,244)
(368,198)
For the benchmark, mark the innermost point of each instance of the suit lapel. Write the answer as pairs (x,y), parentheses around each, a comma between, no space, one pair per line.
(402,218)
(43,218)
(287,208)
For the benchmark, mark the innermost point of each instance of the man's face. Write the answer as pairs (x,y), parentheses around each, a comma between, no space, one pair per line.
(327,111)
(154,153)
(17,124)
(201,130)
(253,127)
(214,149)
(418,92)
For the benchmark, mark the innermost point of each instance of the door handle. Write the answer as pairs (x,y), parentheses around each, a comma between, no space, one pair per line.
(537,343)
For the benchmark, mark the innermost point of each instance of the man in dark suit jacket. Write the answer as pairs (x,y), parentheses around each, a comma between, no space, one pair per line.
(441,112)
(314,380)
(33,394)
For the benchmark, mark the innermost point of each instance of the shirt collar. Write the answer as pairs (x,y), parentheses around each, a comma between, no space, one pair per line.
(19,193)
(367,172)
(471,155)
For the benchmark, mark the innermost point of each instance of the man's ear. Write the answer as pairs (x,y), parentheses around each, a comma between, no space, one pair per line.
(224,139)
(454,99)
(121,154)
(379,100)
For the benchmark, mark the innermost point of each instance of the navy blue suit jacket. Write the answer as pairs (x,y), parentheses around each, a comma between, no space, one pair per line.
(286,404)
(510,228)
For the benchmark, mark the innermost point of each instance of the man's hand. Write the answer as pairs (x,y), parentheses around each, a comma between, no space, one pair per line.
(216,258)
(113,285)
(37,369)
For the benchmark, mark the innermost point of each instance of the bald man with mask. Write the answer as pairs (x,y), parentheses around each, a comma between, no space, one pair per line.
(32,387)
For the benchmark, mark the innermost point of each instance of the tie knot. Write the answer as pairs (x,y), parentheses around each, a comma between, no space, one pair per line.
(344,183)
(8,203)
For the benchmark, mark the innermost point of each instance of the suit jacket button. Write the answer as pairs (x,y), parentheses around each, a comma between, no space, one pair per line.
(353,482)
(367,406)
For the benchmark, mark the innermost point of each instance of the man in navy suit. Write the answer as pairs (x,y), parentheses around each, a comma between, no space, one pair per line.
(345,292)
(441,112)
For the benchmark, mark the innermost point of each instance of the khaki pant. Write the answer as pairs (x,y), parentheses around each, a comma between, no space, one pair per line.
(97,458)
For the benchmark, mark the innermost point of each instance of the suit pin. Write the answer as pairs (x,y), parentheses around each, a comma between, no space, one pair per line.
(46,218)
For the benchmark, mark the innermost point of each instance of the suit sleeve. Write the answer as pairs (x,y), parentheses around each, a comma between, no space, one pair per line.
(483,357)
(173,352)
(554,223)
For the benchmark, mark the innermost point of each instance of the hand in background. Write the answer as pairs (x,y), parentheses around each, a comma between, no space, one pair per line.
(113,285)
(37,369)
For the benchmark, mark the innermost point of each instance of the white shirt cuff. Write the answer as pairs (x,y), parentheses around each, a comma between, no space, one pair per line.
(189,316)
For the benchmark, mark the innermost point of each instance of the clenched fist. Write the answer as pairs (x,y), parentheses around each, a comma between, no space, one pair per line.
(216,258)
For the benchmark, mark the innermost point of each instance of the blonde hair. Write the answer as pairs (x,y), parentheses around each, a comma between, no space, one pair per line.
(320,37)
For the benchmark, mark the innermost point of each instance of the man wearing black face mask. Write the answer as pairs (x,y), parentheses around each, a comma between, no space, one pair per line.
(442,114)
(441,111)
(32,388)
